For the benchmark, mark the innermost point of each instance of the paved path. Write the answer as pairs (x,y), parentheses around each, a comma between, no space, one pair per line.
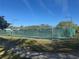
(60,55)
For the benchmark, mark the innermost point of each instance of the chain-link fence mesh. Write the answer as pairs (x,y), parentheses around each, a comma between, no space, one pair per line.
(48,33)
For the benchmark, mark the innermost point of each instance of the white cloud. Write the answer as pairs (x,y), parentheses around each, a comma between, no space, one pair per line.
(46,8)
(64,5)
(27,5)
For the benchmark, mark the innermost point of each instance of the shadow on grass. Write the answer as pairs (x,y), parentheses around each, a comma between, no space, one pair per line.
(8,44)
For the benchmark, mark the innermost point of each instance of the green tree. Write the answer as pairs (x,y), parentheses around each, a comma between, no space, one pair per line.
(3,23)
(77,28)
(63,24)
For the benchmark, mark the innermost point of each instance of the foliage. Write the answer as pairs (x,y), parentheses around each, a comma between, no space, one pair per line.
(77,29)
(68,24)
(35,27)
(3,23)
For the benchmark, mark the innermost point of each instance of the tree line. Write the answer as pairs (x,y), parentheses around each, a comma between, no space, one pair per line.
(63,24)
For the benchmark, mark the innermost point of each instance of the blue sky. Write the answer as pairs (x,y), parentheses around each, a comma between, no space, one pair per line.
(34,12)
